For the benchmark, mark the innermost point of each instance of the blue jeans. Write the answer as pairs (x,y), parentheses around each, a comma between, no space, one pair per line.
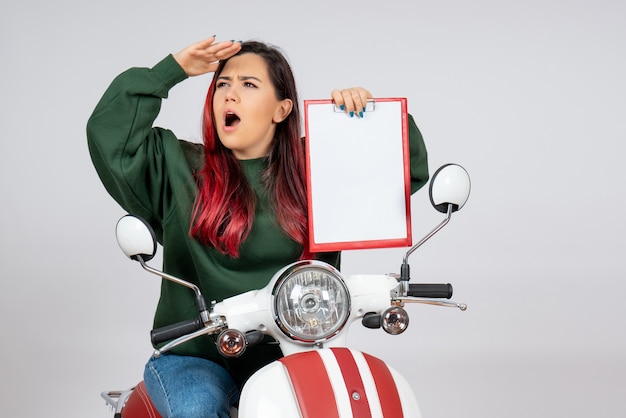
(189,387)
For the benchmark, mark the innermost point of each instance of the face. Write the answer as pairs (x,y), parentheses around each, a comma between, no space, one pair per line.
(245,107)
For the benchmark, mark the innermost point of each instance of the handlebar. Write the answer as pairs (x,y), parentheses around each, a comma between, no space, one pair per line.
(426,290)
(173,331)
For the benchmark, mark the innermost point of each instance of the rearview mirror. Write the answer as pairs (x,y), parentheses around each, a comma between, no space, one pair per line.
(450,185)
(136,238)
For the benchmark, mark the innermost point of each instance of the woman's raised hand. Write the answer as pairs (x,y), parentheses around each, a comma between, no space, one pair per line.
(352,100)
(203,57)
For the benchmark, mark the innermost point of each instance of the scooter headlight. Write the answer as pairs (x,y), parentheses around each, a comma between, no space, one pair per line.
(311,302)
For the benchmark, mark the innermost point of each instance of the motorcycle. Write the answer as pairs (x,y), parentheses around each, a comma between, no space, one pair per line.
(307,307)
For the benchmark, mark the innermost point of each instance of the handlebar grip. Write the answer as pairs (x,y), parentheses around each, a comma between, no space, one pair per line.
(170,332)
(425,290)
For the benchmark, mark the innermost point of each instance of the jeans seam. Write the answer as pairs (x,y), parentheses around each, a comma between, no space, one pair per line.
(167,396)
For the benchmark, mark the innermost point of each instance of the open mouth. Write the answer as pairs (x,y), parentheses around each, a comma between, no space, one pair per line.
(231,119)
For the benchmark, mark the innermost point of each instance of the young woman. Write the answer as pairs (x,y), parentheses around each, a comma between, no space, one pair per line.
(230,212)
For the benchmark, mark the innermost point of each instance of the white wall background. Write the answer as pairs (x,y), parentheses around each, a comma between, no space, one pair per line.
(528,96)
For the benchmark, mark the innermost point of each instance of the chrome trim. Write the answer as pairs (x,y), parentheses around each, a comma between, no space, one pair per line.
(296,268)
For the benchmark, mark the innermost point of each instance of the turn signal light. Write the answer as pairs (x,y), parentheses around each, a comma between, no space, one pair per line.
(231,343)
(395,320)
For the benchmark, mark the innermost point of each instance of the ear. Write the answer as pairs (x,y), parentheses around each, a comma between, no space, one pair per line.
(282,110)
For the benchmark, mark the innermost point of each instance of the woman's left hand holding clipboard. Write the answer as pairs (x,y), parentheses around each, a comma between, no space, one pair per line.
(352,100)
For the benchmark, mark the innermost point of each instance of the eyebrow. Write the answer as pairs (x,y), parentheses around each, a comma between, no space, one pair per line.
(240,78)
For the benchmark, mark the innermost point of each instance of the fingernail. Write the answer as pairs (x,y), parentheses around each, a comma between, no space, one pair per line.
(365,109)
(360,114)
(351,114)
(342,107)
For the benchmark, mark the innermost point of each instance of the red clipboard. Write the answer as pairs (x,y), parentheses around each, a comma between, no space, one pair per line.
(358,176)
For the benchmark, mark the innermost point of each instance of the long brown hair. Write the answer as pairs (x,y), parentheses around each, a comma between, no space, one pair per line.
(224,209)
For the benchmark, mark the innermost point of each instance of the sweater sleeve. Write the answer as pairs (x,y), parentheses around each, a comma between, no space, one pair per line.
(127,151)
(419,157)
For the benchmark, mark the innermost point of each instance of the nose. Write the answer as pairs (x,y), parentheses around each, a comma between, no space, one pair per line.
(231,95)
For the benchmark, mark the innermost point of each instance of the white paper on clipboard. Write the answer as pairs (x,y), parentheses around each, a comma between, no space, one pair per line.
(358,176)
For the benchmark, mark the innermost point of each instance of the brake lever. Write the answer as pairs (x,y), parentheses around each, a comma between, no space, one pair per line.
(449,304)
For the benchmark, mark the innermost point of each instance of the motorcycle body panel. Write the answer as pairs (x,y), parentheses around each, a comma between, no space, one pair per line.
(329,383)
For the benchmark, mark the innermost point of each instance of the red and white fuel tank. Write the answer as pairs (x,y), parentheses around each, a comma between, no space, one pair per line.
(328,383)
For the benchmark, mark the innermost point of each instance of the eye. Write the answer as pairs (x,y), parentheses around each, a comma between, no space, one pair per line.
(249,84)
(221,84)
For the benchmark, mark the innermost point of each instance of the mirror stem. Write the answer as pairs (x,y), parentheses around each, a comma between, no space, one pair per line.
(405,274)
(200,302)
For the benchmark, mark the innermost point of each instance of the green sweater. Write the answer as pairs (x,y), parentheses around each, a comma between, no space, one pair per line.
(150,173)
